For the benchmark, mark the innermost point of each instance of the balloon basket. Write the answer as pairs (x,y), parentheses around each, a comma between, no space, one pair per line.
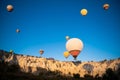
(75,59)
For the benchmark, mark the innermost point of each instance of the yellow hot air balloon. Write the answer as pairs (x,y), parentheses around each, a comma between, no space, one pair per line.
(106,6)
(84,12)
(67,37)
(41,52)
(9,8)
(66,54)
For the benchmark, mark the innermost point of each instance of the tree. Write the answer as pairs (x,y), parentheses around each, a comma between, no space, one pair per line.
(76,76)
(110,75)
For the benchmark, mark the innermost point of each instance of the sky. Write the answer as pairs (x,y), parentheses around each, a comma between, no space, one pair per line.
(44,24)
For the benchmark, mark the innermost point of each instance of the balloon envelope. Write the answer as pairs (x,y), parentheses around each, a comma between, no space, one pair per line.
(74,46)
(9,8)
(84,12)
(41,52)
(106,6)
(67,37)
(66,54)
(11,50)
(17,30)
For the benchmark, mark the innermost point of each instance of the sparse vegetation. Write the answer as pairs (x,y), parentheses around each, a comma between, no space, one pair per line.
(76,76)
(110,75)
(104,61)
(13,73)
(97,77)
(76,62)
(119,58)
(89,77)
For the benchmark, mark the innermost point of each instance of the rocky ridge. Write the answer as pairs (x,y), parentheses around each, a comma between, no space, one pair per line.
(35,65)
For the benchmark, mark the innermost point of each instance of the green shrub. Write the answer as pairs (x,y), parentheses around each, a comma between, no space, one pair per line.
(76,76)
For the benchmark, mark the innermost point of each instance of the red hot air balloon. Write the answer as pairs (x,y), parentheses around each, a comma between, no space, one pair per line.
(9,8)
(41,52)
(106,6)
(74,46)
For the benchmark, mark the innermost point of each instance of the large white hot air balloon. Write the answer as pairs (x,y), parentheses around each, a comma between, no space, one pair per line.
(74,46)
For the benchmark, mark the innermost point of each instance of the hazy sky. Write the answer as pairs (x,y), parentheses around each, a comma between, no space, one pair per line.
(45,23)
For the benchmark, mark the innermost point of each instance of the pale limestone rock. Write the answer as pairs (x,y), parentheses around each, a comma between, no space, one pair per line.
(36,65)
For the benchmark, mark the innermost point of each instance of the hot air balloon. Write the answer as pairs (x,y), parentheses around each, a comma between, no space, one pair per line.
(11,52)
(106,6)
(67,37)
(17,30)
(41,52)
(84,12)
(9,8)
(66,54)
(74,46)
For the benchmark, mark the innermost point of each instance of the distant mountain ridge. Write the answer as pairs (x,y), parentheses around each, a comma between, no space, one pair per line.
(31,64)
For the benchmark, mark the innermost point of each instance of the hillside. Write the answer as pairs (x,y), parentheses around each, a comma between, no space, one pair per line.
(39,66)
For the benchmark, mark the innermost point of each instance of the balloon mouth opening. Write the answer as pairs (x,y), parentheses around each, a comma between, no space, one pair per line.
(67,39)
(17,31)
(75,57)
(10,10)
(106,7)
(74,53)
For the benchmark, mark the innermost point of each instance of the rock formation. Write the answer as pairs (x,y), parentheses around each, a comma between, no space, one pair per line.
(31,64)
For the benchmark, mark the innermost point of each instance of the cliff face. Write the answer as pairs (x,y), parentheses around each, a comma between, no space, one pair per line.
(34,64)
